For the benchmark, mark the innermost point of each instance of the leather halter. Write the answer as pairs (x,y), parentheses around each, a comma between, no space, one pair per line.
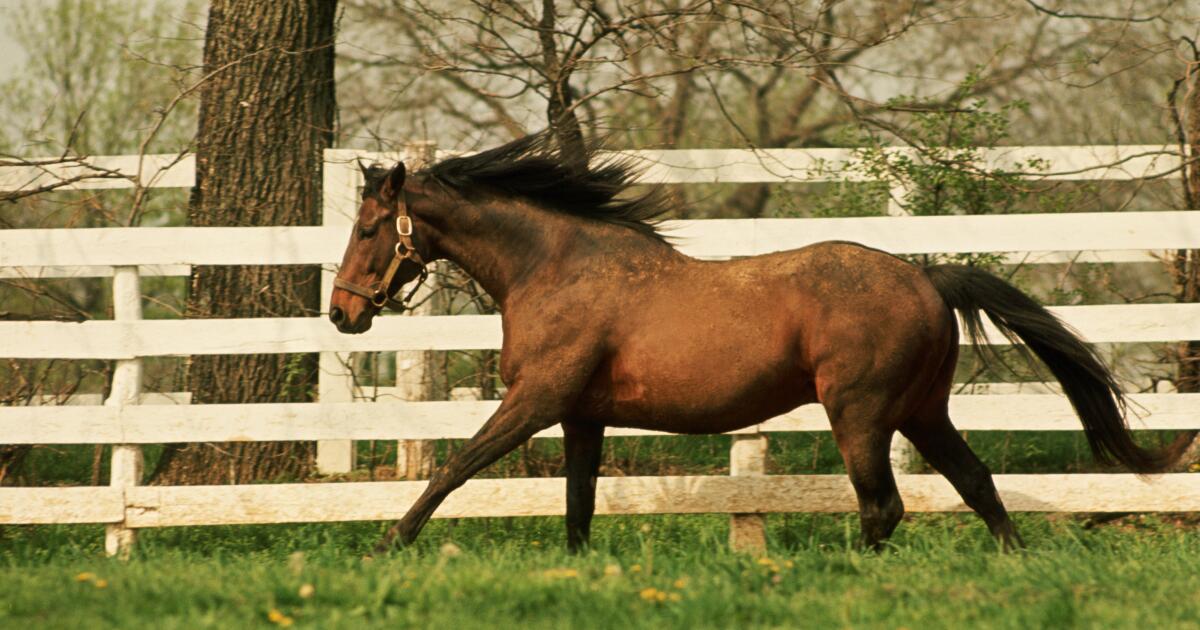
(405,250)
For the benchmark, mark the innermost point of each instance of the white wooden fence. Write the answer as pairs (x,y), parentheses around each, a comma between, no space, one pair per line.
(336,419)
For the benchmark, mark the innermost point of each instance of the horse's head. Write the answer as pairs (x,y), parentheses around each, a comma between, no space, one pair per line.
(382,255)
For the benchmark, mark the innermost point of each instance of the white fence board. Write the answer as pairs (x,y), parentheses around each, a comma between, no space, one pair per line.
(87,504)
(1118,232)
(949,234)
(155,506)
(294,245)
(106,339)
(151,506)
(461,419)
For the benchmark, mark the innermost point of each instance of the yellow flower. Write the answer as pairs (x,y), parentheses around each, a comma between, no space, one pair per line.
(612,570)
(649,594)
(637,568)
(560,573)
(101,583)
(307,590)
(536,543)
(768,563)
(681,583)
(86,576)
(278,618)
(676,597)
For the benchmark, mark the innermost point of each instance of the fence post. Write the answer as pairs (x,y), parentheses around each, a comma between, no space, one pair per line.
(126,465)
(335,378)
(748,458)
(414,368)
(901,454)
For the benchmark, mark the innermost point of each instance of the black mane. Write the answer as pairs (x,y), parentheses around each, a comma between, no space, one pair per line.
(534,168)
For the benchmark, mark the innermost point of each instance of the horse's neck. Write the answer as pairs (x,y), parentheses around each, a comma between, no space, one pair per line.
(505,244)
(500,243)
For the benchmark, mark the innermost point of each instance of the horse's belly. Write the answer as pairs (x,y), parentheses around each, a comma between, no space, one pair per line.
(696,385)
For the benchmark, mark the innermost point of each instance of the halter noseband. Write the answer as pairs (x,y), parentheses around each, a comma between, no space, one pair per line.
(405,250)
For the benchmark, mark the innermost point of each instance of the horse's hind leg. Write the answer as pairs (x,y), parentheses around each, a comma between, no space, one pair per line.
(865,442)
(941,445)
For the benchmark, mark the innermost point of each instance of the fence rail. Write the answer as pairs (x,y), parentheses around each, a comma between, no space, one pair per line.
(127,253)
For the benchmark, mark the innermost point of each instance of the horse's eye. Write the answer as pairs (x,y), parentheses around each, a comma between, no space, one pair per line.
(365,233)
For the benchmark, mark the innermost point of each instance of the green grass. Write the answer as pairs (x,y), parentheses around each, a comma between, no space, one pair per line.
(941,572)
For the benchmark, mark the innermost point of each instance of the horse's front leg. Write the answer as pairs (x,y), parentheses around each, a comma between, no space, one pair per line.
(582,443)
(530,406)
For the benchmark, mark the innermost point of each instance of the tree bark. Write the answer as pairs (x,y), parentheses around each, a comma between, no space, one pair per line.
(266,115)
(1187,262)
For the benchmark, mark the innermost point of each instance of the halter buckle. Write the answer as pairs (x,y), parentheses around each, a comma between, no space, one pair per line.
(404,225)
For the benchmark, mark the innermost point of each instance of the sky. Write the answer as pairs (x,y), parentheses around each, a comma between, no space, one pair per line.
(12,56)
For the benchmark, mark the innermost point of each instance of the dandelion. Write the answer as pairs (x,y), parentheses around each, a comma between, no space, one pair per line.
(100,583)
(450,550)
(278,618)
(560,573)
(645,528)
(86,576)
(612,570)
(637,568)
(675,597)
(649,594)
(306,591)
(536,543)
(770,564)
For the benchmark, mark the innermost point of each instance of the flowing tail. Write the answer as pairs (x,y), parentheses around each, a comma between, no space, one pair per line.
(1088,384)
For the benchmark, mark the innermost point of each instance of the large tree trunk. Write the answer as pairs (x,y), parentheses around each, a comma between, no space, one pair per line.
(265,118)
(1187,263)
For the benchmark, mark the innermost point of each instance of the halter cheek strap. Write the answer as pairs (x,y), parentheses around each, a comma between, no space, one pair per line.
(405,250)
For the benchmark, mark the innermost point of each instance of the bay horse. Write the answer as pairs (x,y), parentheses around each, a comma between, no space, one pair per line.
(607,325)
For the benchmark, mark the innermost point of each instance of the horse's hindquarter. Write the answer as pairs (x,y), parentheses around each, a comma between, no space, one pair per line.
(727,345)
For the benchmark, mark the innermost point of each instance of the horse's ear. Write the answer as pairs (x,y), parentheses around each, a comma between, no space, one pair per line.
(361,168)
(395,181)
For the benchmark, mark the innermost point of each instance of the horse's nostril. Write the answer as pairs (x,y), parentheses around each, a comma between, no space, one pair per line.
(336,315)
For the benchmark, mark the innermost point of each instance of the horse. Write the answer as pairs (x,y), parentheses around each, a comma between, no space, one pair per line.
(606,324)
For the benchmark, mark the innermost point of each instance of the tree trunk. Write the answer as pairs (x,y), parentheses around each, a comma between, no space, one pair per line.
(266,115)
(1187,263)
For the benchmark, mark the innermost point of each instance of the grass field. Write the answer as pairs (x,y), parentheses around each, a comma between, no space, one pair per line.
(652,572)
